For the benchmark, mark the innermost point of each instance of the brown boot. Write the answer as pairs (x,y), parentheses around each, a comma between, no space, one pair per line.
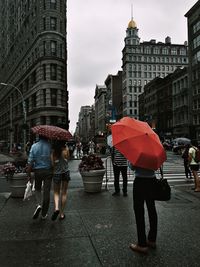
(138,248)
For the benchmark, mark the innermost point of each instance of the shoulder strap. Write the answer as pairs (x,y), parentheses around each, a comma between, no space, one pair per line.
(161,171)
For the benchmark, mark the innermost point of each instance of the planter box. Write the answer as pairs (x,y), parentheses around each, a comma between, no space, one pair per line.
(18,184)
(92,180)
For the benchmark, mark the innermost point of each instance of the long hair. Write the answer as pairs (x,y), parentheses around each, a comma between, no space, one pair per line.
(57,148)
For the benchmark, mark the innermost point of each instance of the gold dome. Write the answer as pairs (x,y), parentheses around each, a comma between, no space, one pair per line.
(132,24)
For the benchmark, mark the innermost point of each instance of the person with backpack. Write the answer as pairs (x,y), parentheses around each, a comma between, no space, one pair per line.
(185,155)
(194,158)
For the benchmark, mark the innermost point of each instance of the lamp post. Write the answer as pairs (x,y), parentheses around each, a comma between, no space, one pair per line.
(24,112)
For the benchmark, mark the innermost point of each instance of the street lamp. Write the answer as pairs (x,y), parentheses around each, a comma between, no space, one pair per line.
(24,113)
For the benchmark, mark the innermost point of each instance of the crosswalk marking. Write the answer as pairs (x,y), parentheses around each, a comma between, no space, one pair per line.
(173,171)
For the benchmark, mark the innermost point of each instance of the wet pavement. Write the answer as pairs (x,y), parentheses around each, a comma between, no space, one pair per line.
(97,230)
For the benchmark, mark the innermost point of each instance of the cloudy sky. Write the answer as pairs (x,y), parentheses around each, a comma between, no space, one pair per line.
(95,34)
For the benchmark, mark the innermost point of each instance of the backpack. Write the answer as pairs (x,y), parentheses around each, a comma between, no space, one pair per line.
(197,155)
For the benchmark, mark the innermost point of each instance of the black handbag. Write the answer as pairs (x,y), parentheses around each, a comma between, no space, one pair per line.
(162,190)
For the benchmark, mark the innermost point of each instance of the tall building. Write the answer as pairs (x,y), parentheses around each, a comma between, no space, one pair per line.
(144,61)
(193,20)
(33,73)
(100,109)
(114,97)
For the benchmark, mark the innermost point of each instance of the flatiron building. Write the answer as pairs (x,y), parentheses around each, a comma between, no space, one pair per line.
(33,66)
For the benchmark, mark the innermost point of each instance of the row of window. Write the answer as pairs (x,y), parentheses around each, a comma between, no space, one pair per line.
(53,25)
(150,67)
(49,72)
(158,50)
(196,27)
(156,59)
(53,4)
(139,74)
(196,42)
(32,101)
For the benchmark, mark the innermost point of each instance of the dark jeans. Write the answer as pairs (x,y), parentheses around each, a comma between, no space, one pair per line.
(117,170)
(142,189)
(45,176)
(187,169)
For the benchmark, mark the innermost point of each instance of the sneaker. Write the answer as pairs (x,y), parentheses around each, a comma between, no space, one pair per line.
(138,248)
(37,212)
(116,194)
(125,194)
(44,217)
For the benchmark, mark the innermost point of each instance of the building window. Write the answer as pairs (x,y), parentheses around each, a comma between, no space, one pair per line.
(53,4)
(53,24)
(62,98)
(62,74)
(53,48)
(173,51)
(44,97)
(53,97)
(43,120)
(196,27)
(33,77)
(44,48)
(54,120)
(165,51)
(44,71)
(34,100)
(44,24)
(26,84)
(53,72)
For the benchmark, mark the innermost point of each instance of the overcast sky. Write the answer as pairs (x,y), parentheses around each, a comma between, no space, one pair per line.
(95,34)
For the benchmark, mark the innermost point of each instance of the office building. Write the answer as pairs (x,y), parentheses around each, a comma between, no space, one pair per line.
(144,61)
(33,73)
(193,20)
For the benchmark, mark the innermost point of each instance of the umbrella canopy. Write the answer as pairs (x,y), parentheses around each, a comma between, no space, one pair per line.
(182,140)
(138,143)
(52,132)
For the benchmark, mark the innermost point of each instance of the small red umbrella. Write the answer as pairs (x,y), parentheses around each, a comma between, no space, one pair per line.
(52,132)
(138,143)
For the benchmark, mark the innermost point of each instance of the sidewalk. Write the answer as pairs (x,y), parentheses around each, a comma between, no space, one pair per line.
(97,231)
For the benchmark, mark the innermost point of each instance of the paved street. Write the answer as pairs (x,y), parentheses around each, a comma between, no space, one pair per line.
(98,229)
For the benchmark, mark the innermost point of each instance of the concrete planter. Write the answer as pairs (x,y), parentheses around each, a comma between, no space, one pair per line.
(92,180)
(18,184)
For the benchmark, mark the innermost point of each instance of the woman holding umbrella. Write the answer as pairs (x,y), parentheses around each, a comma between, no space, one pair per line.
(142,147)
(143,187)
(61,177)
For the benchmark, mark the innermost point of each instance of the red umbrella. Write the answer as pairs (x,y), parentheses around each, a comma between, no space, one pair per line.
(138,143)
(52,132)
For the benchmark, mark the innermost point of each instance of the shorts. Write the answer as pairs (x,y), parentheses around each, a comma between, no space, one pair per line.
(58,177)
(194,167)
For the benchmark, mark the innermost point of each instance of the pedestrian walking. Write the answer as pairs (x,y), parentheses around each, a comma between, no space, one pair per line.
(185,156)
(143,188)
(61,178)
(120,165)
(194,166)
(39,161)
